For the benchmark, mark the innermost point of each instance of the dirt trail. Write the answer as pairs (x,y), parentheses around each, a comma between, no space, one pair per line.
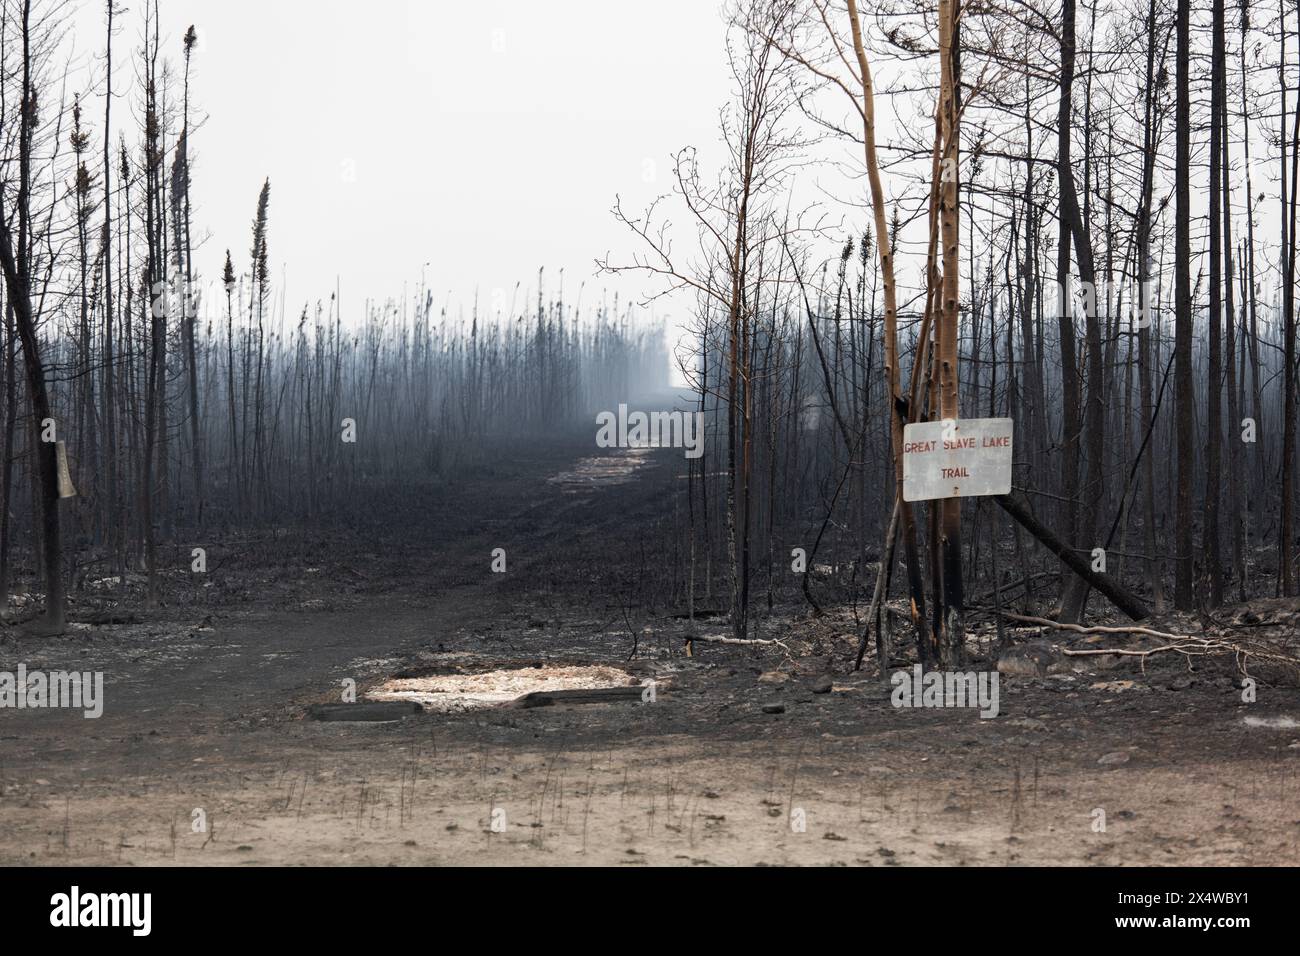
(204,723)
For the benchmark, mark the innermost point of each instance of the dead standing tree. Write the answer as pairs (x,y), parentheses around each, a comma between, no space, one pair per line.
(736,222)
(949,313)
(829,57)
(156,304)
(898,411)
(1092,425)
(1183,371)
(16,261)
(184,249)
(815,43)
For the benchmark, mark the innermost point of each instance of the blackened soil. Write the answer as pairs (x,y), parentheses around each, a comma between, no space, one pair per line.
(203,754)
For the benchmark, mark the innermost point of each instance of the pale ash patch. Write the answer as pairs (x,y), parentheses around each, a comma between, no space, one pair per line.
(1272,723)
(454,693)
(614,469)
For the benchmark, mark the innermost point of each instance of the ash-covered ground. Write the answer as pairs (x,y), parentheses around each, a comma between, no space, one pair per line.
(770,754)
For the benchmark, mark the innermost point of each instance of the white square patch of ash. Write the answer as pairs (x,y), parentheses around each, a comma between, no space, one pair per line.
(454,693)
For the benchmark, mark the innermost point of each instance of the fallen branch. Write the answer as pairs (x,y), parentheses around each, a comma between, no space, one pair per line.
(736,640)
(1184,644)
(1096,628)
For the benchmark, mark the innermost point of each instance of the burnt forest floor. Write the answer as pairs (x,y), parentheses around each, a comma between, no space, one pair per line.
(743,756)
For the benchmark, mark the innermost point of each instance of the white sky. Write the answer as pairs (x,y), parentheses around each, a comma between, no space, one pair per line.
(484,138)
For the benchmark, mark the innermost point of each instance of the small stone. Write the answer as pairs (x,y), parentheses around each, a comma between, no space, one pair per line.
(1113,759)
(822,685)
(774,708)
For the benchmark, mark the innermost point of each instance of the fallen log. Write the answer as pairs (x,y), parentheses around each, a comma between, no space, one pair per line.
(368,712)
(594,695)
(106,617)
(1112,590)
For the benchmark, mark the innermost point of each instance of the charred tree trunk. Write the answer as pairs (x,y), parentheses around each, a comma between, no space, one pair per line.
(1183,412)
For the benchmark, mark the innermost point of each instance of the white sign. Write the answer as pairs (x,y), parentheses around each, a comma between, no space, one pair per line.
(957,458)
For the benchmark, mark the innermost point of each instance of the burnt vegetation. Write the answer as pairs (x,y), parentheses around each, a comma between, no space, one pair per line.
(149,408)
(1078,217)
(1082,218)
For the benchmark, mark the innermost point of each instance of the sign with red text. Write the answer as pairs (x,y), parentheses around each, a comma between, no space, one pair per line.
(957,458)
